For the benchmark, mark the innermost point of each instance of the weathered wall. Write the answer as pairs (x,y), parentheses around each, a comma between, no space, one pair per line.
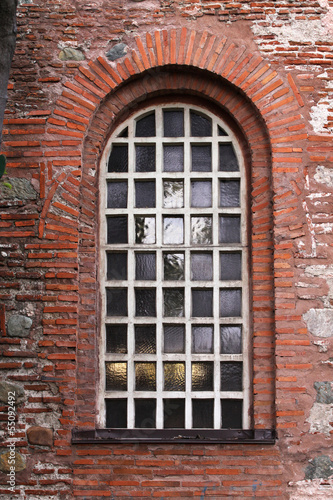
(77,66)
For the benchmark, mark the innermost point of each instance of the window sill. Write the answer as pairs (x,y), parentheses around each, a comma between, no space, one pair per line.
(202,436)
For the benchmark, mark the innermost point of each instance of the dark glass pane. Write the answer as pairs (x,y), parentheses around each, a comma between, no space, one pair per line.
(118,161)
(145,339)
(117,229)
(173,158)
(202,339)
(203,413)
(228,159)
(116,301)
(229,229)
(145,230)
(173,302)
(116,376)
(173,123)
(117,266)
(231,376)
(230,302)
(201,194)
(145,376)
(201,230)
(145,158)
(202,303)
(116,413)
(201,158)
(145,127)
(174,413)
(116,339)
(117,194)
(173,266)
(174,376)
(145,302)
(231,266)
(173,230)
(201,266)
(201,126)
(145,266)
(231,339)
(232,410)
(124,133)
(221,131)
(173,194)
(145,194)
(145,413)
(203,376)
(229,193)
(174,338)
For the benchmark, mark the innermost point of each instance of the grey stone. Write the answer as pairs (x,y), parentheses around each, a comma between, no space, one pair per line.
(116,52)
(6,387)
(70,54)
(320,322)
(22,189)
(40,435)
(320,467)
(19,326)
(324,392)
(10,459)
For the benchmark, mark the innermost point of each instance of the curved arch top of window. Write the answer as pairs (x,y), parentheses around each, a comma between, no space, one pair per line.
(174,274)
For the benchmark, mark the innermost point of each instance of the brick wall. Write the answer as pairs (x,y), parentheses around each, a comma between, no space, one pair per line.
(268,64)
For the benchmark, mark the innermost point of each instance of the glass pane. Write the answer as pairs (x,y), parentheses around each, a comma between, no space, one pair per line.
(229,193)
(201,230)
(174,376)
(117,229)
(228,159)
(231,339)
(173,158)
(173,302)
(230,302)
(116,413)
(145,376)
(221,131)
(173,230)
(174,413)
(145,230)
(201,194)
(116,301)
(124,133)
(145,194)
(231,266)
(145,158)
(116,376)
(116,266)
(145,339)
(118,161)
(173,266)
(229,229)
(116,339)
(202,339)
(201,266)
(145,127)
(173,123)
(202,376)
(200,126)
(145,302)
(232,410)
(145,413)
(173,194)
(231,376)
(117,194)
(203,413)
(202,303)
(145,266)
(201,158)
(174,338)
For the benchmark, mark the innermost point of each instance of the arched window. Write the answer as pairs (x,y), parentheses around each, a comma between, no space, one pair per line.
(174,273)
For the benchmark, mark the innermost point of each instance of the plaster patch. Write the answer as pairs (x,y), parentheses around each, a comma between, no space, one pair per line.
(320,115)
(319,322)
(324,175)
(309,490)
(320,419)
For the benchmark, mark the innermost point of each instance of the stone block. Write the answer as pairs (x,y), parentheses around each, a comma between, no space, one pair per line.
(117,52)
(70,54)
(10,459)
(40,436)
(19,326)
(6,388)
